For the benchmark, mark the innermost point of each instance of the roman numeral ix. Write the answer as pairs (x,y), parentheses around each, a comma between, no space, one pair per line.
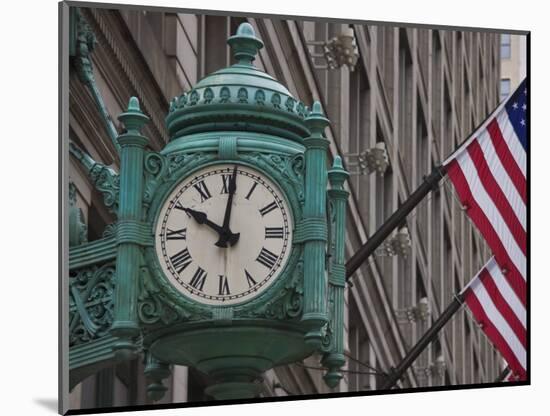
(176,234)
(267,258)
(181,260)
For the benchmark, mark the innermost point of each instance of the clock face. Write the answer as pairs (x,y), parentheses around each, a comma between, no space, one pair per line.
(224,235)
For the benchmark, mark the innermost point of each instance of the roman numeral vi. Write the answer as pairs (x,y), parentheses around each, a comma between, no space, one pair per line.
(223,286)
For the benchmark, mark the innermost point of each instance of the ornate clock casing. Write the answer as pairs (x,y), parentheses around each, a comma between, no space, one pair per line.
(230,244)
(223,255)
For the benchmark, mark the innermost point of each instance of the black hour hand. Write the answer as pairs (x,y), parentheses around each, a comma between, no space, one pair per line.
(202,218)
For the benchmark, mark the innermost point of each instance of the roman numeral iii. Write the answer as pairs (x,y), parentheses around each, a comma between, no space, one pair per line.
(181,260)
(273,232)
(202,190)
(267,258)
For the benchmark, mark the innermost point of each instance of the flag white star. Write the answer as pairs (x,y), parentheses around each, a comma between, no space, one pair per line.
(524,107)
(522,122)
(515,105)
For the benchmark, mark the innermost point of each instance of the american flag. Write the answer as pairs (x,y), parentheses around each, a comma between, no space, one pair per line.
(489,175)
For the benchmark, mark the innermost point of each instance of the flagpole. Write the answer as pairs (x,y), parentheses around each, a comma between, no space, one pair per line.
(367,249)
(396,373)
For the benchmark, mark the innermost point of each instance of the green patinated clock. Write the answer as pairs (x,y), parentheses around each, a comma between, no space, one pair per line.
(225,257)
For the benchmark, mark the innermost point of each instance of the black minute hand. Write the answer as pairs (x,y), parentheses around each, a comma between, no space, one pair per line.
(227,235)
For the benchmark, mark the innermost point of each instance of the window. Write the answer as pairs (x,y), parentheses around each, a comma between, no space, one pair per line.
(505,51)
(504,88)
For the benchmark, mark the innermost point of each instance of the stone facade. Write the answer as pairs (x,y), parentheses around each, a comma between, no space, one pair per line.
(420,91)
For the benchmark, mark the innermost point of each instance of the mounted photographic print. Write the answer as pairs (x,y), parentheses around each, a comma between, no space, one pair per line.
(264,208)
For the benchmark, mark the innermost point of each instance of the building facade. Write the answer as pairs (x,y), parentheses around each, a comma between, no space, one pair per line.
(513,62)
(419,91)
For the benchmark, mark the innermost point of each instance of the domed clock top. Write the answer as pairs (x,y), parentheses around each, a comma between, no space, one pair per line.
(224,234)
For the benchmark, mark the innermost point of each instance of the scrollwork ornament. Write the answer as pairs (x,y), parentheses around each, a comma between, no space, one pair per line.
(184,161)
(291,169)
(288,303)
(154,167)
(326,342)
(91,303)
(153,307)
(107,181)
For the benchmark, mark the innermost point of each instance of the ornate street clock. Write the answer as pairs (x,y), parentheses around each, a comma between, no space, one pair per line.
(230,240)
(224,234)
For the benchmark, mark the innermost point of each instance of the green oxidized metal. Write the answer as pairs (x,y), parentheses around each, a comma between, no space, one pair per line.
(240,116)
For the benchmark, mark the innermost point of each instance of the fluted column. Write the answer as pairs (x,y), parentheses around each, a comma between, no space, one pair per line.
(338,196)
(314,226)
(129,225)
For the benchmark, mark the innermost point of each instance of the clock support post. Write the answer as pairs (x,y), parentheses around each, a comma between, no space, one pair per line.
(314,225)
(334,358)
(129,232)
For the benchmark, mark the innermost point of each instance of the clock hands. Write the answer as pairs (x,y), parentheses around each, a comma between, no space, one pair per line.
(202,218)
(227,235)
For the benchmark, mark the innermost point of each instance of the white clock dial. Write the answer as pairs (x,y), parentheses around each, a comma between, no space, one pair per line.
(222,266)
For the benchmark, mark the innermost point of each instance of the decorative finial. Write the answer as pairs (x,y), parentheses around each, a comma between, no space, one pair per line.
(133,118)
(315,120)
(337,164)
(337,175)
(245,44)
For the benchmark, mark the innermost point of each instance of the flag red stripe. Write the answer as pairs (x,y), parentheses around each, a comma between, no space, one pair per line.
(493,334)
(513,275)
(502,305)
(493,190)
(507,159)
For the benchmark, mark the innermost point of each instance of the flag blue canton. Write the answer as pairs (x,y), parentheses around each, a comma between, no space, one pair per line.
(516,107)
